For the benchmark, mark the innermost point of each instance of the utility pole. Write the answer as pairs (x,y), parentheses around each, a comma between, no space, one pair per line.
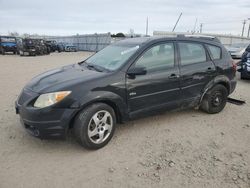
(194,26)
(248,33)
(243,28)
(201,26)
(177,22)
(147,27)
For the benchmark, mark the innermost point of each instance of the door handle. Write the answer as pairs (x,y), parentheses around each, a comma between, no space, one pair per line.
(173,76)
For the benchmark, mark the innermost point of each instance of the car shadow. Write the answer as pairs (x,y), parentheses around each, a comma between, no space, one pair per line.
(70,142)
(71,145)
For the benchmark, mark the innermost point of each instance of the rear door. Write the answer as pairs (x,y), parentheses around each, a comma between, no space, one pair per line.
(159,87)
(196,70)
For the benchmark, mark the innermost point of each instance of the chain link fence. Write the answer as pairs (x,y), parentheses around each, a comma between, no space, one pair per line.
(90,42)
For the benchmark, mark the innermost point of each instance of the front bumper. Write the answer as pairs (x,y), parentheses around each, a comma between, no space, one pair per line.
(46,122)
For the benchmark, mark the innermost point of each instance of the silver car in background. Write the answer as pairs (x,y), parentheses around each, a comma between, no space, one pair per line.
(236,50)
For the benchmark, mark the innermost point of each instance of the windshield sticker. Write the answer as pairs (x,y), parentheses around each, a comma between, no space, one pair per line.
(129,50)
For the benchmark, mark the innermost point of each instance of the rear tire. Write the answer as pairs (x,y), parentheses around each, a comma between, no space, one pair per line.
(95,125)
(215,99)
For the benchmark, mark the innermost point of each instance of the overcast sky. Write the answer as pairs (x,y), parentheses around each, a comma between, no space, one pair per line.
(68,17)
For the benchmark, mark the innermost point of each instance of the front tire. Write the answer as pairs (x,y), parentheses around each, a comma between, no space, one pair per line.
(95,125)
(215,100)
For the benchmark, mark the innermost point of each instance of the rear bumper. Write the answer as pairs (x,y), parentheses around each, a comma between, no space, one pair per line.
(45,123)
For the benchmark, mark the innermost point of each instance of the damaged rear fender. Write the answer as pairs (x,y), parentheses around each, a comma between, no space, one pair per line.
(221,79)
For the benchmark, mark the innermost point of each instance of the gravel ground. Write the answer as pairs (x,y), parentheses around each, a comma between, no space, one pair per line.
(178,149)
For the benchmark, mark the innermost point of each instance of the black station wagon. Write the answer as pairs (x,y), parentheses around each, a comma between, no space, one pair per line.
(123,81)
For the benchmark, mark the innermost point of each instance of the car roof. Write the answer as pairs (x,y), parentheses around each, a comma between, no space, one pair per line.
(145,40)
(133,41)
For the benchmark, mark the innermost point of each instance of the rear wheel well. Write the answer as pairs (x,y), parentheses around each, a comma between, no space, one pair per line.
(110,103)
(226,86)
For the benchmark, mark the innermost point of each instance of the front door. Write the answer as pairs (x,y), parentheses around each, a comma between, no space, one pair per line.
(160,86)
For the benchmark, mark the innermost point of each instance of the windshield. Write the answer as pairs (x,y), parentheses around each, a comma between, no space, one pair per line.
(112,57)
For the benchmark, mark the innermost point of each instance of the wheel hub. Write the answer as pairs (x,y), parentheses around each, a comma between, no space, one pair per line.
(100,126)
(216,99)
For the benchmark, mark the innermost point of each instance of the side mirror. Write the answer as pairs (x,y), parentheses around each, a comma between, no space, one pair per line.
(137,71)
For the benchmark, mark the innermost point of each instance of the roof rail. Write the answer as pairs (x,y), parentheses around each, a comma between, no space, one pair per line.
(205,37)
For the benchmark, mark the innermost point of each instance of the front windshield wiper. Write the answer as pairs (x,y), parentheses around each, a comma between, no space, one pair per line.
(93,66)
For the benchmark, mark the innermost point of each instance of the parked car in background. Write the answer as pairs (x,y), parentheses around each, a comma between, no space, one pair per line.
(245,64)
(61,47)
(125,80)
(236,50)
(42,48)
(32,47)
(27,47)
(8,44)
(69,47)
(51,45)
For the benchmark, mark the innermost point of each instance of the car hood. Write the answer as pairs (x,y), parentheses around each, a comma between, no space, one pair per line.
(62,78)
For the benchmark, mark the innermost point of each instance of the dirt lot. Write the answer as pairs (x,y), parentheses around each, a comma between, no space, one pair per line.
(178,149)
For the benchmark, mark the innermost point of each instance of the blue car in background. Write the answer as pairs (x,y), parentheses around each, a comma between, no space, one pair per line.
(66,47)
(8,44)
(245,64)
(69,47)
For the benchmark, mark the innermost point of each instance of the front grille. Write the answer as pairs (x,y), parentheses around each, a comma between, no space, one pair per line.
(26,95)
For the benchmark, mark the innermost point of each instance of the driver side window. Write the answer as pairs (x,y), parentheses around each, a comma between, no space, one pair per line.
(157,58)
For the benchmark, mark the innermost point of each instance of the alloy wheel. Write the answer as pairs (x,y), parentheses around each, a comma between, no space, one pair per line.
(100,126)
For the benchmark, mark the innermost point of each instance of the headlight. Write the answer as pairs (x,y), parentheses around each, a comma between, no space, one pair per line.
(48,99)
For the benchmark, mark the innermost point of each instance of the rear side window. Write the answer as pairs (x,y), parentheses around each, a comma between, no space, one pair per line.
(215,52)
(192,53)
